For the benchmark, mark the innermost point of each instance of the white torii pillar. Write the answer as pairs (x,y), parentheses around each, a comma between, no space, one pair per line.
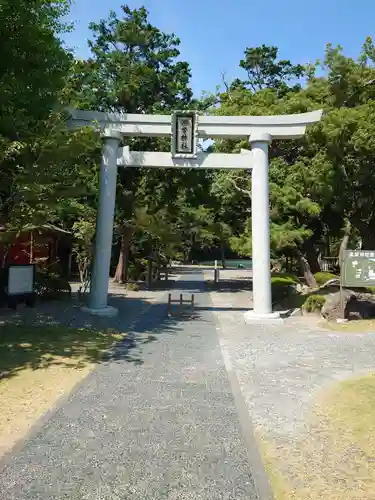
(104,227)
(260,229)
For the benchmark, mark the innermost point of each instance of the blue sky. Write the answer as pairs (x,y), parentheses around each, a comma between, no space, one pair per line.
(214,33)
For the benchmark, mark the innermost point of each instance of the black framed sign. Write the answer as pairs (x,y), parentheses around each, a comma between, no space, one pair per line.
(19,284)
(184,134)
(21,279)
(358,268)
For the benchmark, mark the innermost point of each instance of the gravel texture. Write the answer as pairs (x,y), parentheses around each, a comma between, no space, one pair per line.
(282,368)
(156,420)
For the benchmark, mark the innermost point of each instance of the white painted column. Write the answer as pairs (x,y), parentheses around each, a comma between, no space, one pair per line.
(104,227)
(260,223)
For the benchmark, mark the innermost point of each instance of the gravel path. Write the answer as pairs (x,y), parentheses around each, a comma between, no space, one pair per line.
(157,420)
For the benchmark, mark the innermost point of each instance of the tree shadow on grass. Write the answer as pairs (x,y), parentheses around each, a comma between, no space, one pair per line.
(59,333)
(38,347)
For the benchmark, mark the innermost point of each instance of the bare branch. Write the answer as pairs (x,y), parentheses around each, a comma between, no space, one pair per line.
(240,189)
(226,85)
(211,103)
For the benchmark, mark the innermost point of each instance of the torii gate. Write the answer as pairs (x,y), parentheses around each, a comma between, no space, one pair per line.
(185,128)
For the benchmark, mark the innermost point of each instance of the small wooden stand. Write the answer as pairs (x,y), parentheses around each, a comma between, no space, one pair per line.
(216,273)
(179,301)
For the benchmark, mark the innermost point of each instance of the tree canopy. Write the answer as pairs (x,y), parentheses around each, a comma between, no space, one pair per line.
(321,186)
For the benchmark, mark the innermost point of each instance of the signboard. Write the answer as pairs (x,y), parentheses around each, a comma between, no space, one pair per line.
(21,280)
(184,134)
(358,268)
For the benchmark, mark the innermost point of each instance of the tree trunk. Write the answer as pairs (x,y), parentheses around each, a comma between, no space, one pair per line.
(6,249)
(344,242)
(368,239)
(312,257)
(121,274)
(158,269)
(31,247)
(328,248)
(223,264)
(120,268)
(126,263)
(306,270)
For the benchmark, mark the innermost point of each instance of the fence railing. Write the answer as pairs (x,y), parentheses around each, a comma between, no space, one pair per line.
(328,264)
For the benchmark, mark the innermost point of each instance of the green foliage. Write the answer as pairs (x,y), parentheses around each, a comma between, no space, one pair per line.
(133,68)
(314,303)
(322,277)
(265,71)
(43,167)
(283,280)
(83,232)
(318,184)
(138,268)
(48,175)
(34,64)
(321,180)
(283,286)
(284,277)
(241,243)
(132,287)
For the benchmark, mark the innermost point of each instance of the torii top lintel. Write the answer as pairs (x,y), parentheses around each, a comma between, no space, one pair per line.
(278,127)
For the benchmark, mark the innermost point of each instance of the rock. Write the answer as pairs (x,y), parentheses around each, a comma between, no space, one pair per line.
(341,321)
(362,306)
(357,305)
(331,309)
(300,288)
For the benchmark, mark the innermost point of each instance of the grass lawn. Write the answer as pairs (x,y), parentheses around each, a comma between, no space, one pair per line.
(360,326)
(335,460)
(38,364)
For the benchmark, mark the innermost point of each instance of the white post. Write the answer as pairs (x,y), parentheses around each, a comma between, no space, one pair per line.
(104,227)
(260,222)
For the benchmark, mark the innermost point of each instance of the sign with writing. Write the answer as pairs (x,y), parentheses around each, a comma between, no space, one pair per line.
(184,134)
(358,268)
(21,280)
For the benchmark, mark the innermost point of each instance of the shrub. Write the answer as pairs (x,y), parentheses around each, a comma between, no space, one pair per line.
(51,285)
(314,303)
(282,286)
(137,269)
(132,287)
(323,277)
(290,277)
